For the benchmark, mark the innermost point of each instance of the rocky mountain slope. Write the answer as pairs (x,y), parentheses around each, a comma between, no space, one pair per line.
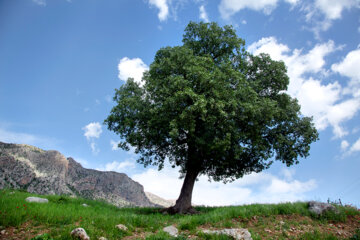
(49,172)
(159,201)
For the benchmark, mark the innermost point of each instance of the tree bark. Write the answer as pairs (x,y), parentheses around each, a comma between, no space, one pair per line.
(183,203)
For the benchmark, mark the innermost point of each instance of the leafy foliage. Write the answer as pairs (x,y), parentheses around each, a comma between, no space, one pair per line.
(356,236)
(212,107)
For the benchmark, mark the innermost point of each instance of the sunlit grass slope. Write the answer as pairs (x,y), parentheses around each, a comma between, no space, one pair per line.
(265,221)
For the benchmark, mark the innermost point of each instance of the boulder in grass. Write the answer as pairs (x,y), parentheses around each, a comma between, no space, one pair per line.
(79,233)
(171,230)
(121,227)
(102,238)
(36,199)
(236,233)
(319,208)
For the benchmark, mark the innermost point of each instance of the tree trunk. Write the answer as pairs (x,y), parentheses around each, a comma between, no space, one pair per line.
(183,204)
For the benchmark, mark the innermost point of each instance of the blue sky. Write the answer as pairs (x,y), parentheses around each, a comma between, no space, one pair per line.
(60,61)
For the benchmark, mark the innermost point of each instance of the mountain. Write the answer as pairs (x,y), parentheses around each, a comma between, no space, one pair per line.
(49,172)
(159,201)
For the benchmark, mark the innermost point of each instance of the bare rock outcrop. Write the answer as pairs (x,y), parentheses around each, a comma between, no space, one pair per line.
(36,199)
(159,201)
(235,233)
(319,208)
(79,233)
(171,230)
(49,172)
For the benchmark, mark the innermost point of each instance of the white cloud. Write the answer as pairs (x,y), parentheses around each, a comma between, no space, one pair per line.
(114,145)
(92,130)
(256,187)
(132,68)
(243,22)
(321,13)
(40,2)
(163,7)
(323,101)
(341,112)
(293,2)
(94,149)
(355,147)
(270,46)
(131,150)
(118,166)
(288,173)
(279,186)
(349,67)
(203,14)
(228,8)
(317,99)
(332,9)
(344,145)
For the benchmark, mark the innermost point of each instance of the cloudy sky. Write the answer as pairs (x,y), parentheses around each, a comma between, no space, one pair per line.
(60,61)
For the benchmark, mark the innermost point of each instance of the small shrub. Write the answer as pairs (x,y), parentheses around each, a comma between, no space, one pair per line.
(356,236)
(186,225)
(332,216)
(62,200)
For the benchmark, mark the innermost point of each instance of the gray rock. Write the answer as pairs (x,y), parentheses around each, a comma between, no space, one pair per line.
(236,233)
(36,199)
(3,232)
(159,201)
(171,230)
(102,238)
(320,208)
(121,227)
(79,233)
(84,205)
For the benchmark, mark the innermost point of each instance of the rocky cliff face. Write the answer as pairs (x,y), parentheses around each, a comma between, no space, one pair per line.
(49,172)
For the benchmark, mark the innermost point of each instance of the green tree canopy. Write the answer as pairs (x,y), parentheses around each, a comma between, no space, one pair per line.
(210,107)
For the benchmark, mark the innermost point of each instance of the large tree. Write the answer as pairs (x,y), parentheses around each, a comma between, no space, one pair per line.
(210,107)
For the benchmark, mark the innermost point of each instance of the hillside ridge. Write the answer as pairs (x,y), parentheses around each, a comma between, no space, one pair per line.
(50,172)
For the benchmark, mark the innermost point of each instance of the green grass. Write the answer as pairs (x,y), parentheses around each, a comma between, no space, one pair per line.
(62,214)
(317,236)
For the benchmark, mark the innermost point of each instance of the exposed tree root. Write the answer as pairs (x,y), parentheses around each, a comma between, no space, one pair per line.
(176,210)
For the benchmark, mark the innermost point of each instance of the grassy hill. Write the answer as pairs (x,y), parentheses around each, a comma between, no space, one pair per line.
(56,219)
